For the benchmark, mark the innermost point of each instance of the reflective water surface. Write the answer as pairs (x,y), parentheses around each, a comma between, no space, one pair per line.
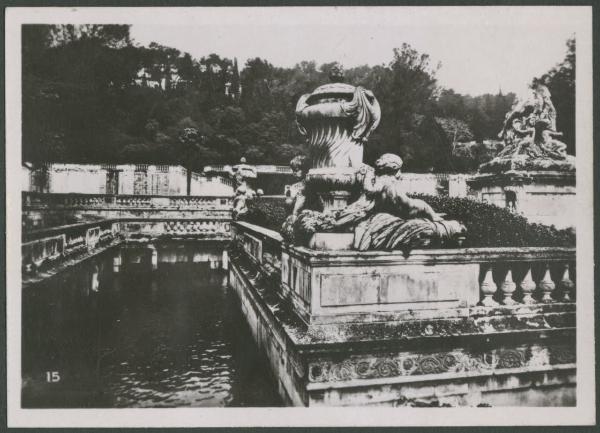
(174,337)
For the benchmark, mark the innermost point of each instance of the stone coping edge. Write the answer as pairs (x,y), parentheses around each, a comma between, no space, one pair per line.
(448,255)
(41,233)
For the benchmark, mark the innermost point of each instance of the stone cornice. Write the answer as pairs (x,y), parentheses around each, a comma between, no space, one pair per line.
(523,177)
(433,256)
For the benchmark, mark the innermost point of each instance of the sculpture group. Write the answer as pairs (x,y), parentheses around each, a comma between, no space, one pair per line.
(337,193)
(530,137)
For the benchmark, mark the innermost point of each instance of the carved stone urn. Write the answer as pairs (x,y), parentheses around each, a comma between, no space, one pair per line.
(337,120)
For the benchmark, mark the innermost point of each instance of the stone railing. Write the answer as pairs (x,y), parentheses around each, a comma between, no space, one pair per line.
(201,202)
(44,248)
(328,286)
(158,228)
(47,248)
(261,168)
(44,210)
(34,200)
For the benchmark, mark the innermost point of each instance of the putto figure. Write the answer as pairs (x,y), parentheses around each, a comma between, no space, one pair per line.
(243,192)
(295,196)
(383,217)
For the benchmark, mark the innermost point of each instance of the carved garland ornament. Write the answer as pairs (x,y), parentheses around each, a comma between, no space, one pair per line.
(438,363)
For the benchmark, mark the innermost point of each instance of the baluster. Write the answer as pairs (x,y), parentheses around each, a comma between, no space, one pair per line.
(566,285)
(547,286)
(527,286)
(488,288)
(508,287)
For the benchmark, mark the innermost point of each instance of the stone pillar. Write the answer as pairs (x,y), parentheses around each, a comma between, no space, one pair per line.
(153,257)
(457,185)
(117,261)
(225,260)
(334,200)
(95,284)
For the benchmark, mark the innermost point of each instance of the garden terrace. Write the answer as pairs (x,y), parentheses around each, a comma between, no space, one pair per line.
(472,325)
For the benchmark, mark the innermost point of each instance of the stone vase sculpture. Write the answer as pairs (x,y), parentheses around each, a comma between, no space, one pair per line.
(357,206)
(337,120)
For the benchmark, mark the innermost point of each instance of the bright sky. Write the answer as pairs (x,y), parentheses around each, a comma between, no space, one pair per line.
(481,49)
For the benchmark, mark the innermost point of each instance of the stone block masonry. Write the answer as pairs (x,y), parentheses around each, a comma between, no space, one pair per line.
(374,347)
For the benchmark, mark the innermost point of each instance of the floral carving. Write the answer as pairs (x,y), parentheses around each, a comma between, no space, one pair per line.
(457,361)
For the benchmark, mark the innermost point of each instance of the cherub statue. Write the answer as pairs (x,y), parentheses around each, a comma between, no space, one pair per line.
(243,191)
(384,216)
(295,198)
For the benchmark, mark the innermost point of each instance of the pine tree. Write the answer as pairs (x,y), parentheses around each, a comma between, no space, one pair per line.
(235,80)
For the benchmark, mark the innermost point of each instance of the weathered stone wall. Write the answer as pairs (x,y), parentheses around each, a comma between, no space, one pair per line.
(272,341)
(328,366)
(510,350)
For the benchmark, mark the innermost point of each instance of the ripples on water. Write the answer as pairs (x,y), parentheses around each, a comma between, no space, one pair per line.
(171,338)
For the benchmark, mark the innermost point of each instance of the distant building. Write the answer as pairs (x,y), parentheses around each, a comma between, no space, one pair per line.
(167,77)
(125,179)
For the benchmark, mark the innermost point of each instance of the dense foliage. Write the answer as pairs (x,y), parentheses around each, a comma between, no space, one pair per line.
(487,225)
(273,183)
(561,83)
(90,94)
(269,212)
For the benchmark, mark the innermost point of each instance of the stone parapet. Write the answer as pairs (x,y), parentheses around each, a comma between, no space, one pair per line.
(49,249)
(504,354)
(43,209)
(352,286)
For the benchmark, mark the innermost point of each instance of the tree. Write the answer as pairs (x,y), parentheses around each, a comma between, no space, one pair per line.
(560,80)
(72,79)
(406,90)
(85,100)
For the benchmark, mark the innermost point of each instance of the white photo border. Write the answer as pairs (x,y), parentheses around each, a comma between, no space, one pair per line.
(582,414)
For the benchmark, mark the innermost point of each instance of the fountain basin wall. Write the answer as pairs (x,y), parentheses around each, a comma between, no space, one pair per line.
(449,350)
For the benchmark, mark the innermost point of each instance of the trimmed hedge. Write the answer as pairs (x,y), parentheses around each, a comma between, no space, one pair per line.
(487,225)
(269,212)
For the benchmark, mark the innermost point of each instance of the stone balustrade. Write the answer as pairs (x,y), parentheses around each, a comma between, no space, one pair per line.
(44,210)
(260,168)
(44,248)
(49,248)
(547,278)
(34,200)
(469,326)
(327,286)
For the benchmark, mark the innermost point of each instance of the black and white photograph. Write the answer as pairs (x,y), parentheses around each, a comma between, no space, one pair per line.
(216,216)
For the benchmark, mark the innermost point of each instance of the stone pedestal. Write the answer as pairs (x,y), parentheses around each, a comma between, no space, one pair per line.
(546,197)
(333,185)
(334,200)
